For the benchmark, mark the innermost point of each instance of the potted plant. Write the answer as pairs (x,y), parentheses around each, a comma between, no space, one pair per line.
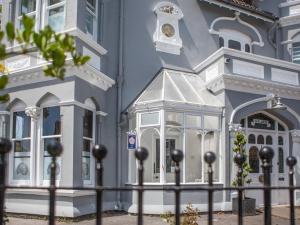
(248,204)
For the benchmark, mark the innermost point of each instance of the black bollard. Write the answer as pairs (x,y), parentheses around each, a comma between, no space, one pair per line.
(210,158)
(99,152)
(55,151)
(266,154)
(141,154)
(177,157)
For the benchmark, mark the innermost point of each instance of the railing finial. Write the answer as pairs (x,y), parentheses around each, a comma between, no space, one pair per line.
(5,145)
(177,155)
(55,149)
(141,154)
(99,152)
(209,157)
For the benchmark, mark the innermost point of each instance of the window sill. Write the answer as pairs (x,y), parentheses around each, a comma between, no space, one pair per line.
(63,193)
(172,184)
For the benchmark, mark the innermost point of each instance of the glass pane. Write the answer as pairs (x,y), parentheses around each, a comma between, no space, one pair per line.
(280,127)
(56,19)
(88,124)
(21,125)
(269,140)
(254,160)
(247,48)
(89,23)
(193,121)
(193,156)
(150,140)
(150,118)
(27,6)
(174,119)
(280,140)
(91,4)
(211,122)
(251,139)
(86,159)
(47,160)
(221,42)
(21,160)
(51,121)
(211,143)
(260,140)
(52,2)
(280,160)
(296,53)
(234,44)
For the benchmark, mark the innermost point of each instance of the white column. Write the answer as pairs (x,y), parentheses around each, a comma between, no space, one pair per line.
(162,148)
(34,114)
(296,152)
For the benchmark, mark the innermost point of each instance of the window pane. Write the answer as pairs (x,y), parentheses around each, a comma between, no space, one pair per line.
(280,140)
(234,44)
(193,121)
(150,118)
(247,48)
(251,139)
(56,19)
(211,122)
(47,159)
(193,156)
(51,121)
(260,140)
(174,119)
(280,127)
(221,42)
(21,160)
(86,159)
(280,160)
(269,140)
(296,53)
(52,2)
(27,6)
(89,23)
(91,4)
(88,124)
(254,160)
(21,125)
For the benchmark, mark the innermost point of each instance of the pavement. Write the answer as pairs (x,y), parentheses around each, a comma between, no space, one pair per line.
(280,216)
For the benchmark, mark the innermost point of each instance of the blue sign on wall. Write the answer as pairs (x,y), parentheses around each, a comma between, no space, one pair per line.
(131,141)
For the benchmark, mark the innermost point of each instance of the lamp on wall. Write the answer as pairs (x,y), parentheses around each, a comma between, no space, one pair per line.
(277,104)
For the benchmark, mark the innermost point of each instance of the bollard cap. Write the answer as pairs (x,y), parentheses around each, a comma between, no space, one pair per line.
(266,153)
(5,145)
(177,155)
(99,152)
(291,161)
(239,159)
(55,149)
(209,157)
(141,154)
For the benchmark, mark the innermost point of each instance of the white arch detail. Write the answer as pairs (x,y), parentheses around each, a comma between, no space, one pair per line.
(263,99)
(239,20)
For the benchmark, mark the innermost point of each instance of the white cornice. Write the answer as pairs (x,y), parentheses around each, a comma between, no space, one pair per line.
(245,56)
(289,20)
(253,86)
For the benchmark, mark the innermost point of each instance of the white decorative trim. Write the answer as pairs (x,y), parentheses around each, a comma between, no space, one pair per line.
(4,113)
(245,56)
(33,112)
(81,105)
(289,3)
(239,20)
(235,127)
(295,133)
(289,20)
(285,76)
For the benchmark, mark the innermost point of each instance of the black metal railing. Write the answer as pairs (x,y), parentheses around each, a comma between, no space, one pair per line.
(99,151)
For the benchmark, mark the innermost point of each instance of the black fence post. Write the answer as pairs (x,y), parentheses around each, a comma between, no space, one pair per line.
(239,160)
(291,161)
(54,150)
(5,147)
(99,152)
(210,158)
(177,157)
(266,154)
(141,154)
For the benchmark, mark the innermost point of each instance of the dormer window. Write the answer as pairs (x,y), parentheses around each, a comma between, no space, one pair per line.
(56,14)
(91,18)
(234,40)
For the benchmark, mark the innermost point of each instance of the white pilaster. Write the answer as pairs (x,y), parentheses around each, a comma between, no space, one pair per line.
(296,152)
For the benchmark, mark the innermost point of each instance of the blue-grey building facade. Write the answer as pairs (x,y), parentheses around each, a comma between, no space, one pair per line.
(173,74)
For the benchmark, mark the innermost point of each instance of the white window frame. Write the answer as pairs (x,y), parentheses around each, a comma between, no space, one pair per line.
(35,13)
(46,8)
(234,35)
(11,155)
(95,21)
(41,139)
(92,140)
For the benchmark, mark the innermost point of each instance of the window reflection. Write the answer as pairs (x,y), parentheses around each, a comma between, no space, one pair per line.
(51,121)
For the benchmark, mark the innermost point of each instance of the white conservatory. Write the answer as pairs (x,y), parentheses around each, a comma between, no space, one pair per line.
(176,111)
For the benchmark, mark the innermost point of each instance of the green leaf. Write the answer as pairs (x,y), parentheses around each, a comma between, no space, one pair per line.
(4,98)
(28,23)
(10,31)
(3,81)
(2,51)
